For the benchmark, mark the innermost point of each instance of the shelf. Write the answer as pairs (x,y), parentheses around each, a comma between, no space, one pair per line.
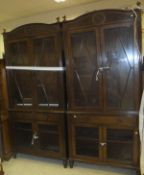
(50,148)
(48,132)
(87,150)
(24,104)
(49,105)
(36,68)
(24,129)
(87,138)
(120,141)
(24,145)
(23,126)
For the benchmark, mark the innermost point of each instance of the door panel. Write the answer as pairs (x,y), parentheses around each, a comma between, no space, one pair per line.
(23,134)
(18,53)
(120,56)
(50,89)
(119,151)
(120,145)
(47,51)
(21,88)
(84,66)
(49,137)
(86,141)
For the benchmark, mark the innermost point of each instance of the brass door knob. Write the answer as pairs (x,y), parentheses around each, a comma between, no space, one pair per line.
(74,116)
(103,143)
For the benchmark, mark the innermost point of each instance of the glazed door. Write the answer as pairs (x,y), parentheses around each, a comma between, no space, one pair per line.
(50,72)
(49,90)
(49,137)
(18,53)
(22,133)
(120,56)
(47,51)
(21,88)
(85,142)
(121,146)
(83,54)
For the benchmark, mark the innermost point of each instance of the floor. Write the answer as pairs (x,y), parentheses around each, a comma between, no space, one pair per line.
(30,165)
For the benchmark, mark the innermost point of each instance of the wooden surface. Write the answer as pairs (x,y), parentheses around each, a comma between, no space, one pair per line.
(5,127)
(38,128)
(104,87)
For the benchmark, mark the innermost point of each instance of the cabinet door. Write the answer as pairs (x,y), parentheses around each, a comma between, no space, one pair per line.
(22,134)
(50,77)
(121,80)
(47,51)
(83,88)
(85,141)
(50,90)
(122,145)
(50,138)
(20,88)
(18,53)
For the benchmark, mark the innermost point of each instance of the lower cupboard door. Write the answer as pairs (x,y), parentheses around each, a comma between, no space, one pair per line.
(86,141)
(49,137)
(23,134)
(120,145)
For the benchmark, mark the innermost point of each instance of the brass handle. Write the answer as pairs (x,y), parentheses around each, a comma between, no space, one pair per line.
(101,69)
(34,137)
(104,68)
(97,75)
(136,132)
(103,143)
(74,116)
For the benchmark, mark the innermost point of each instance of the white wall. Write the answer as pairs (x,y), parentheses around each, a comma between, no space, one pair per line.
(1,46)
(71,13)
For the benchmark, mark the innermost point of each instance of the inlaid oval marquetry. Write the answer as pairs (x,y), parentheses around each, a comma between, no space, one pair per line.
(98,18)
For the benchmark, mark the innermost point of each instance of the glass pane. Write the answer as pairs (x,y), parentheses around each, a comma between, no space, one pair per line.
(119,56)
(50,89)
(120,134)
(18,54)
(21,90)
(119,151)
(23,134)
(85,66)
(87,141)
(49,137)
(120,144)
(46,52)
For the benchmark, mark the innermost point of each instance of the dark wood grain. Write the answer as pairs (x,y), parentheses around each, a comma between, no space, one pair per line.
(104,43)
(6,140)
(36,98)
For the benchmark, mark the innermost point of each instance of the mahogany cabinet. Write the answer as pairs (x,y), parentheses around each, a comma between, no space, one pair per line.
(104,87)
(35,77)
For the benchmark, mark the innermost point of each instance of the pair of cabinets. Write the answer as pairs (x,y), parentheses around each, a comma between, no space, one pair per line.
(86,69)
